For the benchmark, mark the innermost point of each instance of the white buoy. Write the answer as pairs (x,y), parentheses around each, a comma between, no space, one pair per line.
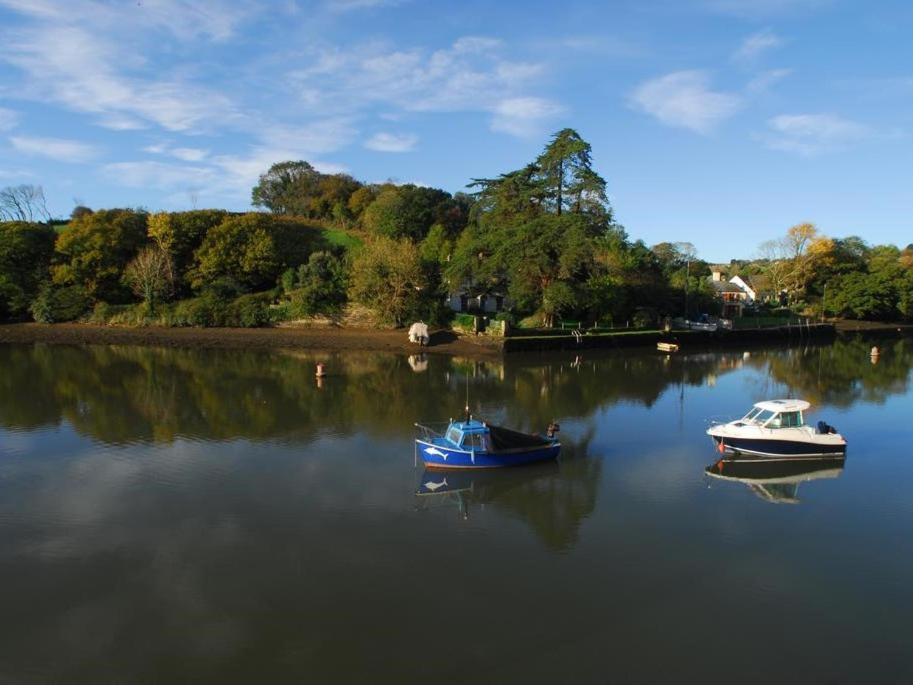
(321,371)
(874,351)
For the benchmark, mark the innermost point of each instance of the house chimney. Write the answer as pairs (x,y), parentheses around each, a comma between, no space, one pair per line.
(717,275)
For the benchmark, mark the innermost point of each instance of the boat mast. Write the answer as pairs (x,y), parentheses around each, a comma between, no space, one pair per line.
(468,415)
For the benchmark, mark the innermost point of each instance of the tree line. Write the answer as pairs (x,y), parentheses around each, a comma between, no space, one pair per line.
(543,238)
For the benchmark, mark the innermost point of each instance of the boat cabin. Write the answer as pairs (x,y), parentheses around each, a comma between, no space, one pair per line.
(480,436)
(469,435)
(777,414)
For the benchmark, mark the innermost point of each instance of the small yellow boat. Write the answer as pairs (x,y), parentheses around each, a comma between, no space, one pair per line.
(666,347)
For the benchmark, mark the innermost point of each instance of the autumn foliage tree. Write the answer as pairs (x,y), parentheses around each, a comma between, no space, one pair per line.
(387,277)
(95,249)
(150,276)
(180,235)
(252,250)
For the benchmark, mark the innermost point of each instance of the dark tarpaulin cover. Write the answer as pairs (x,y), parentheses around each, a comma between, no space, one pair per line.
(503,439)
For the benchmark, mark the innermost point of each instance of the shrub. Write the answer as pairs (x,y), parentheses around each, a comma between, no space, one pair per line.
(206,310)
(56,304)
(212,310)
(465,322)
(249,311)
(103,313)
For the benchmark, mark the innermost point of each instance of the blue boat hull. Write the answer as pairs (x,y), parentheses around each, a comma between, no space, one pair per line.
(438,456)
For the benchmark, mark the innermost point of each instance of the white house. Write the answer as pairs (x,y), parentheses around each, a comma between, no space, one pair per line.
(745,287)
(486,303)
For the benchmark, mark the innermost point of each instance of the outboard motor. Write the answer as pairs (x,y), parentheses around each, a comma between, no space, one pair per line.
(553,428)
(824,428)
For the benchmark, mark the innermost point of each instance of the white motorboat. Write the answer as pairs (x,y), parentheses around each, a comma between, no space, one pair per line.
(776,428)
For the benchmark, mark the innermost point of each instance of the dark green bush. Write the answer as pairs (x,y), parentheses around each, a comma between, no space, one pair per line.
(210,310)
(466,322)
(249,311)
(55,304)
(206,310)
(104,313)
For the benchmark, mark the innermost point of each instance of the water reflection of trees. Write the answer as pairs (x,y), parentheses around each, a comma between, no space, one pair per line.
(121,394)
(842,373)
(552,499)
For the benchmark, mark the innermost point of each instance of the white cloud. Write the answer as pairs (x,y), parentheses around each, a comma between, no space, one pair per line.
(231,176)
(391,142)
(312,138)
(16,173)
(89,71)
(756,45)
(811,134)
(471,75)
(186,20)
(160,175)
(8,119)
(523,116)
(685,100)
(58,149)
(121,122)
(348,5)
(767,79)
(189,154)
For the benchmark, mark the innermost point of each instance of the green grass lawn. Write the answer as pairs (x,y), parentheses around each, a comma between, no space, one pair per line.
(340,238)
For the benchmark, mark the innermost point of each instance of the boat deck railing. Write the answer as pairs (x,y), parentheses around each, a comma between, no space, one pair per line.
(427,431)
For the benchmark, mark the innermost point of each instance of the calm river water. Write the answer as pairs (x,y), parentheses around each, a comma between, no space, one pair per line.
(176,516)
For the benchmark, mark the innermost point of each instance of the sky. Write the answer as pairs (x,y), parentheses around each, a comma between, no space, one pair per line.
(718,122)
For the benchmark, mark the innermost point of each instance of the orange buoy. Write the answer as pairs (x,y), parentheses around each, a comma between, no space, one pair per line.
(721,448)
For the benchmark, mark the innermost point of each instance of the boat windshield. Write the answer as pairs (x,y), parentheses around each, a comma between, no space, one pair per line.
(764,415)
(453,435)
(784,419)
(752,415)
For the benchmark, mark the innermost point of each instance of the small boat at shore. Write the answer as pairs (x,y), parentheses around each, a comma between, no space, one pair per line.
(474,444)
(776,428)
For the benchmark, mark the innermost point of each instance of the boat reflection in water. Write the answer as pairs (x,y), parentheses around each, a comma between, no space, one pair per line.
(465,488)
(776,480)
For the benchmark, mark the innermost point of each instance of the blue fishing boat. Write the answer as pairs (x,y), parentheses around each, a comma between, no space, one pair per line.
(474,444)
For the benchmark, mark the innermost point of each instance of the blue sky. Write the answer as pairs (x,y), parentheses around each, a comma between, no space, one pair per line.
(720,122)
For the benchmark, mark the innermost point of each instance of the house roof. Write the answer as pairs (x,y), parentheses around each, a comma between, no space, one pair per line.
(725,287)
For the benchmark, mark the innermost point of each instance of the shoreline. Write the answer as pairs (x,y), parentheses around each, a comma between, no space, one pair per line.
(443,342)
(321,339)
